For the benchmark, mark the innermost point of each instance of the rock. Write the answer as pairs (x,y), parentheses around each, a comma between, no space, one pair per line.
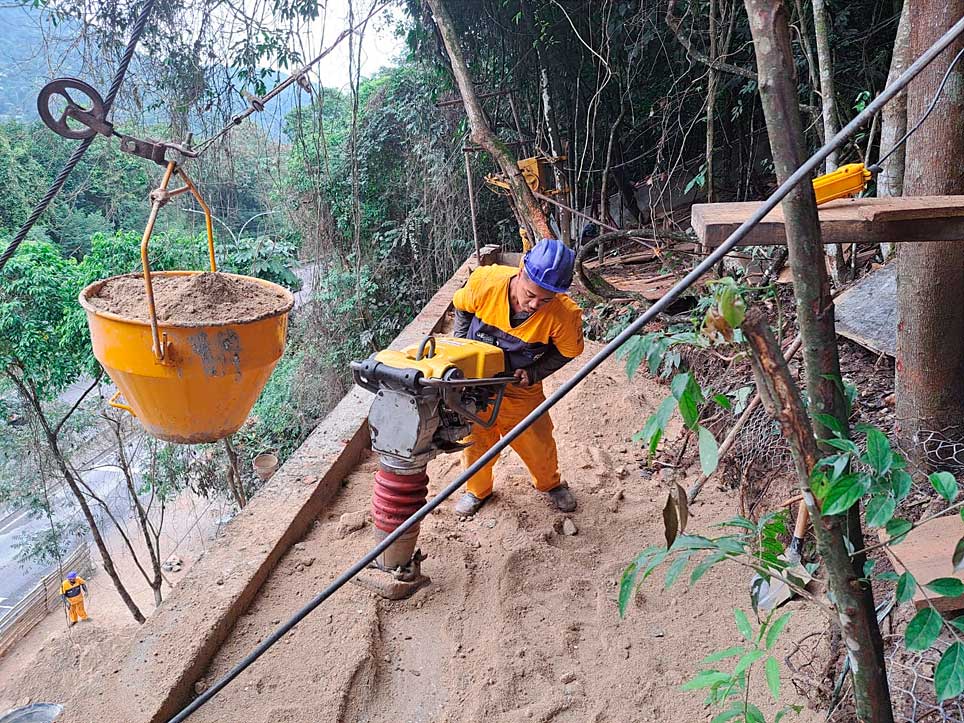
(613,504)
(586,456)
(621,473)
(201,686)
(601,458)
(569,527)
(308,561)
(567,677)
(352,521)
(175,568)
(276,621)
(219,581)
(299,546)
(659,633)
(489,523)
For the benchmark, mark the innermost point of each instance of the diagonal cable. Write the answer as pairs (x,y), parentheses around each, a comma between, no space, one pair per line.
(80,150)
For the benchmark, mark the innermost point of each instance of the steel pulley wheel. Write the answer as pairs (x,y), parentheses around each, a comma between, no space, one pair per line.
(76,96)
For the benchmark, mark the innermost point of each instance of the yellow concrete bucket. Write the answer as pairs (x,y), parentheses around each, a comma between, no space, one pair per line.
(211,376)
(186,382)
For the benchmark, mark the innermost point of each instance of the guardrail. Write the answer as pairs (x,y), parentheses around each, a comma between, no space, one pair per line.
(44,597)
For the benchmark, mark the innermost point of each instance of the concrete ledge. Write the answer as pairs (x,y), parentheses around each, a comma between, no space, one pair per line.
(173,649)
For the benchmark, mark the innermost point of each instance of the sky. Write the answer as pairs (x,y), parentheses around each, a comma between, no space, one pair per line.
(380,46)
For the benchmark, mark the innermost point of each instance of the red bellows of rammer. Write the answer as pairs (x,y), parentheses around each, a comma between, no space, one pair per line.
(396,497)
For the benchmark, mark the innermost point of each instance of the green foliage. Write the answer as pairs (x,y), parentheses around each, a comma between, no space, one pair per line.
(269,258)
(38,313)
(724,311)
(45,546)
(728,689)
(949,673)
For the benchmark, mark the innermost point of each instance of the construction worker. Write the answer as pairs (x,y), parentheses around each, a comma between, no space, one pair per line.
(72,592)
(525,312)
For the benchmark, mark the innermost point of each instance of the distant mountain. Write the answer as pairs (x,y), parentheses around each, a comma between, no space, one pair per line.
(28,60)
(23,66)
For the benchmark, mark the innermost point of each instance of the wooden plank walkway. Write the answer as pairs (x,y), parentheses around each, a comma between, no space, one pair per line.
(847,220)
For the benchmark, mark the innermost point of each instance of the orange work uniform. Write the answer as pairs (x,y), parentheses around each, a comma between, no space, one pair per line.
(73,593)
(556,324)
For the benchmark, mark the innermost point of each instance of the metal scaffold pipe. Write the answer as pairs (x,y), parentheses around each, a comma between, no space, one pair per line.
(800,175)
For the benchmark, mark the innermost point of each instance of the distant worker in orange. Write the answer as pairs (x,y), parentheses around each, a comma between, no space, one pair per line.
(526,313)
(73,590)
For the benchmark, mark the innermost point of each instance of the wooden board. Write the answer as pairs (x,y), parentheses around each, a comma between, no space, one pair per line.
(927,552)
(867,311)
(847,220)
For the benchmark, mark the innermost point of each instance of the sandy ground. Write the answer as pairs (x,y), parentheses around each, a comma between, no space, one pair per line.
(48,663)
(520,622)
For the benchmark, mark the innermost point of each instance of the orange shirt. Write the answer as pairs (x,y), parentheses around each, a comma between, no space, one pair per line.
(558,323)
(70,589)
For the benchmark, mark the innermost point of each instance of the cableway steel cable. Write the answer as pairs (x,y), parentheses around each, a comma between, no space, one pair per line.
(85,143)
(255,105)
(877,167)
(800,175)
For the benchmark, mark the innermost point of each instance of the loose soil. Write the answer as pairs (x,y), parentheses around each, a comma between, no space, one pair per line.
(520,622)
(53,662)
(208,298)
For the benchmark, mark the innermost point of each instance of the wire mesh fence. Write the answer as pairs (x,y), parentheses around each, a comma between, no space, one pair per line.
(911,676)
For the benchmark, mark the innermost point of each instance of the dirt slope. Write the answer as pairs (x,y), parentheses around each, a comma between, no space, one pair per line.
(520,622)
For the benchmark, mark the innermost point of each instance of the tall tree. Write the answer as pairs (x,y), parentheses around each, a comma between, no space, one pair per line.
(852,595)
(893,120)
(930,278)
(525,203)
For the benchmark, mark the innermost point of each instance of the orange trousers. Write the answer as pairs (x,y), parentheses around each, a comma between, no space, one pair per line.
(535,446)
(75,609)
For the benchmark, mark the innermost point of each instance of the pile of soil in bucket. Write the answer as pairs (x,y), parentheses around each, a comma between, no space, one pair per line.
(208,298)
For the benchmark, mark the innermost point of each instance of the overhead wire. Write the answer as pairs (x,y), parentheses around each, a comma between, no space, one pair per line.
(256,105)
(878,166)
(81,149)
(800,175)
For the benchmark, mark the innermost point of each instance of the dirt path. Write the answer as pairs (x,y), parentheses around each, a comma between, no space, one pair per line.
(52,660)
(520,622)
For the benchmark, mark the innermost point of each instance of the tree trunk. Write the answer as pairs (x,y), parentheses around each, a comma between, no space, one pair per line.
(890,180)
(526,204)
(711,108)
(815,310)
(604,183)
(828,103)
(555,148)
(23,386)
(811,286)
(853,600)
(930,278)
(155,580)
(235,483)
(828,107)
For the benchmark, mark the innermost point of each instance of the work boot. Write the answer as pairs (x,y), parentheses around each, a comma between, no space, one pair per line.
(468,504)
(562,498)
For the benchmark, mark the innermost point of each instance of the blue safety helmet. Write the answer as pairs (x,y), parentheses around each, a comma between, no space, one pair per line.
(72,575)
(549,264)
